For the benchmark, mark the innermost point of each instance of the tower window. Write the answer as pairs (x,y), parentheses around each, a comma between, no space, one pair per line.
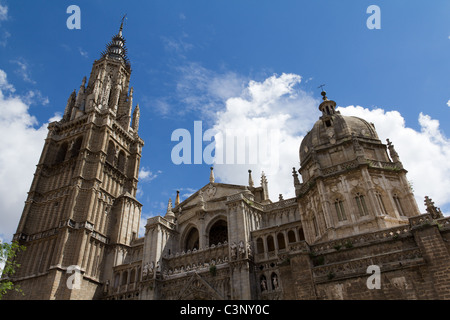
(339,206)
(398,205)
(328,123)
(361,203)
(316,227)
(381,203)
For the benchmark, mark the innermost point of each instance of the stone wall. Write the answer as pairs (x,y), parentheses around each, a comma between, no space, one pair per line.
(414,263)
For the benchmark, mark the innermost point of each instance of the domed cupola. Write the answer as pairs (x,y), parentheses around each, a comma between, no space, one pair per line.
(333,129)
(350,184)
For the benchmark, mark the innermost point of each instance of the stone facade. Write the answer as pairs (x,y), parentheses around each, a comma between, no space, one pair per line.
(353,210)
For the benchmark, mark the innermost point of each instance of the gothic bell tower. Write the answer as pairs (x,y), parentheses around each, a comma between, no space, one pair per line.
(81,212)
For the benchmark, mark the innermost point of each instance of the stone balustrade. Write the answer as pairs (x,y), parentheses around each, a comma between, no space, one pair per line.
(199,260)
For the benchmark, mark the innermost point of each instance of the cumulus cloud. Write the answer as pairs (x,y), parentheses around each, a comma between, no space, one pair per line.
(424,153)
(146,175)
(268,119)
(21,142)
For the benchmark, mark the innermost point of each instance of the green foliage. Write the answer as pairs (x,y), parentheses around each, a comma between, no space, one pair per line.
(348,244)
(8,253)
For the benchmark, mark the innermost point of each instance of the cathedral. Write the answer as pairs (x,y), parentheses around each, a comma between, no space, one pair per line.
(352,231)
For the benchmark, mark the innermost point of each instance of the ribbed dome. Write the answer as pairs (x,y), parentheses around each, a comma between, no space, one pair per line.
(334,129)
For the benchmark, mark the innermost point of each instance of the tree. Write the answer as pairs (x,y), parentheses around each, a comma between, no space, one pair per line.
(8,266)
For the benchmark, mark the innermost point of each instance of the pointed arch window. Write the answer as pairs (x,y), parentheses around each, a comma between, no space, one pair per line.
(398,205)
(380,201)
(361,203)
(340,211)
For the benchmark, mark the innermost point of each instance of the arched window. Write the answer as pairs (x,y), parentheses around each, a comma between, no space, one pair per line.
(361,203)
(133,276)
(339,206)
(116,280)
(121,161)
(380,201)
(192,240)
(259,245)
(124,278)
(61,155)
(111,153)
(398,204)
(76,146)
(291,236)
(270,244)
(301,234)
(218,233)
(280,240)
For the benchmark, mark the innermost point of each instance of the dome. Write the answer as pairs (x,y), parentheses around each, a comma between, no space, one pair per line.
(334,128)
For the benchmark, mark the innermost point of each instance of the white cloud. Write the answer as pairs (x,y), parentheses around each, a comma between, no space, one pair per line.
(83,53)
(23,70)
(147,175)
(205,91)
(448,103)
(275,106)
(4,85)
(21,142)
(424,153)
(3,12)
(34,97)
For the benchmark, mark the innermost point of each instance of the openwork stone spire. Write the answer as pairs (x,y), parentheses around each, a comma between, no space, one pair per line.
(116,48)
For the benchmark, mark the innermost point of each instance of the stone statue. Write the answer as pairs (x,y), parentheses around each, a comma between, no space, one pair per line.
(263,284)
(145,271)
(241,250)
(275,282)
(249,250)
(233,250)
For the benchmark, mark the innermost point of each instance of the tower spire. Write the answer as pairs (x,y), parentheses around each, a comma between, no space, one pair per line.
(116,48)
(121,24)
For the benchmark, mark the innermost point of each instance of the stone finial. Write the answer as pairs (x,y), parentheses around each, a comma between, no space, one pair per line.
(170,215)
(250,179)
(177,199)
(211,175)
(265,186)
(295,175)
(136,117)
(392,152)
(169,206)
(435,212)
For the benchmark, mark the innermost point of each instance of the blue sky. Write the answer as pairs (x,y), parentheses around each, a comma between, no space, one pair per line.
(193,60)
